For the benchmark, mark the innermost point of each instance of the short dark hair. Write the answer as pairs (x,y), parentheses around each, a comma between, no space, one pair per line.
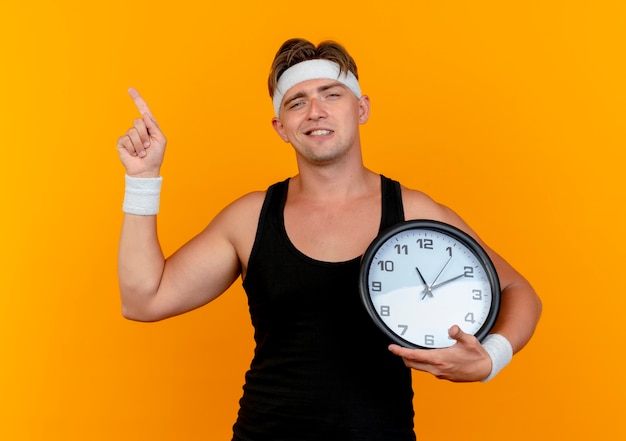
(296,50)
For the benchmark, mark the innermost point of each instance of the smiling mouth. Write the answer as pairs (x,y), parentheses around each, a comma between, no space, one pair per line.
(319,132)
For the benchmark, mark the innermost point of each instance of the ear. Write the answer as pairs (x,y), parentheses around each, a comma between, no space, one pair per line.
(278,126)
(364,109)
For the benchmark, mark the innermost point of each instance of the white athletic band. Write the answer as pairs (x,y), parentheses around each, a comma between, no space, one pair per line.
(500,351)
(312,70)
(142,196)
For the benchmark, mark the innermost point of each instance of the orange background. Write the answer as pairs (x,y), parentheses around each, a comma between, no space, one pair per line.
(510,112)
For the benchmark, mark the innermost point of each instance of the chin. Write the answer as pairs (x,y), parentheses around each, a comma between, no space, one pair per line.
(324,157)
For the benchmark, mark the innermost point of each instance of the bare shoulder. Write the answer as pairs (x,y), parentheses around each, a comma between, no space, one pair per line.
(418,205)
(248,204)
(240,215)
(237,224)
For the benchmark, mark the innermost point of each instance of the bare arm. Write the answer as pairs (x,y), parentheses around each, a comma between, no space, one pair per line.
(520,308)
(152,287)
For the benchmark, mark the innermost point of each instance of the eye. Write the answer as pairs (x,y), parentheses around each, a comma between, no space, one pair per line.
(296,104)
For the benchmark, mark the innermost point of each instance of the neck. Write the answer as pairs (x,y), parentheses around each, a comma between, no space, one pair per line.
(327,184)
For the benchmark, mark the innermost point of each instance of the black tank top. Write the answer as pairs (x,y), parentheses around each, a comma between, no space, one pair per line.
(321,369)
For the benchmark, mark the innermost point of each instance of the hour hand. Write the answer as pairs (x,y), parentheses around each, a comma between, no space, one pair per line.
(421,277)
(427,289)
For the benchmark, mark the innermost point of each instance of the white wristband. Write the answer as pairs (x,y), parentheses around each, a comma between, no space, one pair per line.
(142,196)
(500,351)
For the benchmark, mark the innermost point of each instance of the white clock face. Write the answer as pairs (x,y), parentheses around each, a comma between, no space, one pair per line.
(422,281)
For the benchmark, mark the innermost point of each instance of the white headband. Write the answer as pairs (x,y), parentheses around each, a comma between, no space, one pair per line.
(312,70)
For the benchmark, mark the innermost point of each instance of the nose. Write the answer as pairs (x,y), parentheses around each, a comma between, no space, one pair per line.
(316,109)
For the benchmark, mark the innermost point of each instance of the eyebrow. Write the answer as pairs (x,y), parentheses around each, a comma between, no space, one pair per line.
(321,88)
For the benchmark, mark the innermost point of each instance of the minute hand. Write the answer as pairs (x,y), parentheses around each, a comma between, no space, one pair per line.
(446,281)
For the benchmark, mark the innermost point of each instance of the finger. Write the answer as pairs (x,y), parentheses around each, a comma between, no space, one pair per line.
(456,332)
(135,139)
(124,143)
(463,339)
(415,358)
(141,105)
(142,130)
(151,125)
(415,355)
(396,349)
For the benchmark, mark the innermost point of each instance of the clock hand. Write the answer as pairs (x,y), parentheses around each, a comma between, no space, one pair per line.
(444,267)
(447,281)
(427,290)
(421,277)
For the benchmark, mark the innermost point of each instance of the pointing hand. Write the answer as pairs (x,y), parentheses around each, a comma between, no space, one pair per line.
(142,148)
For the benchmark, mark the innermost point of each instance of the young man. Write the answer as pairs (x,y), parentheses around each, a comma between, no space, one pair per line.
(321,368)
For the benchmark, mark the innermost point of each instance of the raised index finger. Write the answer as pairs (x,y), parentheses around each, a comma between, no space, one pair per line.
(142,106)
